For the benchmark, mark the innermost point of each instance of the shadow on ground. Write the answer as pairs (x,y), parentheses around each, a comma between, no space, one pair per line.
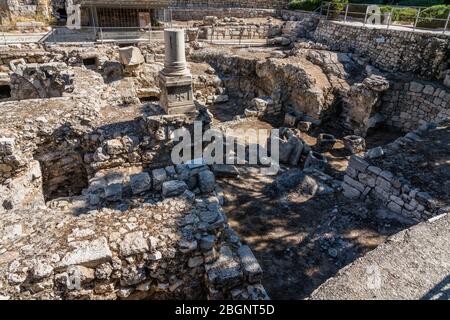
(301,241)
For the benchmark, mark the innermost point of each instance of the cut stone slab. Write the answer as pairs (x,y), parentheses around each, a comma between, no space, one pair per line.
(87,253)
(358,163)
(113,192)
(140,182)
(131,56)
(207,242)
(225,272)
(375,153)
(207,181)
(250,265)
(225,170)
(173,188)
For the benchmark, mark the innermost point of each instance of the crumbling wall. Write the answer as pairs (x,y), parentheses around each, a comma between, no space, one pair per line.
(288,82)
(175,248)
(406,104)
(391,50)
(27,9)
(187,14)
(32,81)
(365,177)
(30,53)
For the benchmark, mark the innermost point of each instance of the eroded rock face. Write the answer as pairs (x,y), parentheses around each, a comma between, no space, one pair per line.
(31,81)
(293,81)
(299,83)
(361,101)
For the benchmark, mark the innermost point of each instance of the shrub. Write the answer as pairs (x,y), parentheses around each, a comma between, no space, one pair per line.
(401,15)
(428,15)
(420,3)
(337,6)
(307,5)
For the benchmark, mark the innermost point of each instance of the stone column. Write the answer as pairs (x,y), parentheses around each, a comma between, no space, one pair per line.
(175,79)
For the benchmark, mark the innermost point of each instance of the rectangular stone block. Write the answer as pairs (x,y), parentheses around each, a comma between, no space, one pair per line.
(88,253)
(350,192)
(250,265)
(358,163)
(355,184)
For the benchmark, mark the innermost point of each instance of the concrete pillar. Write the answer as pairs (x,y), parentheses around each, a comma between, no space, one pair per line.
(175,79)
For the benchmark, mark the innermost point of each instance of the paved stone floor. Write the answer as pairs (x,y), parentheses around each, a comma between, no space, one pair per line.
(413,264)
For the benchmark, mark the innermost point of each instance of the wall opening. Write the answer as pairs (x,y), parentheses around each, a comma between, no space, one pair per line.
(90,62)
(63,173)
(149,99)
(5,92)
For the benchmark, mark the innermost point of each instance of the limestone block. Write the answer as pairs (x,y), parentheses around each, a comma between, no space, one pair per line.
(131,56)
(173,188)
(140,182)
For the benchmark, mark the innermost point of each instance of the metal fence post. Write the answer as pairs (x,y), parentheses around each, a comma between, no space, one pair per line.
(53,35)
(101,35)
(446,23)
(365,17)
(346,11)
(416,20)
(390,17)
(328,9)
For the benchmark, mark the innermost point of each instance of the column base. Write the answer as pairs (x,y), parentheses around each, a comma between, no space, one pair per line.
(176,94)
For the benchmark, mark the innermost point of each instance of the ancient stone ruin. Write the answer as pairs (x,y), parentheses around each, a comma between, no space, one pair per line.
(93,205)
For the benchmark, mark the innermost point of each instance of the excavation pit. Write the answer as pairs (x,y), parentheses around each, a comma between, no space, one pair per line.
(106,146)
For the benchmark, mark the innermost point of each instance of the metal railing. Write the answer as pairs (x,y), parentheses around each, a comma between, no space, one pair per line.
(103,35)
(389,17)
(239,34)
(259,4)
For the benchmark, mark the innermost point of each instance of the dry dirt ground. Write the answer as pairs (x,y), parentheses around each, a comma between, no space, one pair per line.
(301,241)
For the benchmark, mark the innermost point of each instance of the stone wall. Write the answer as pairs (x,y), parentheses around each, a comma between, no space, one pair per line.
(178,246)
(366,177)
(29,53)
(26,9)
(406,104)
(391,50)
(186,14)
(266,4)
